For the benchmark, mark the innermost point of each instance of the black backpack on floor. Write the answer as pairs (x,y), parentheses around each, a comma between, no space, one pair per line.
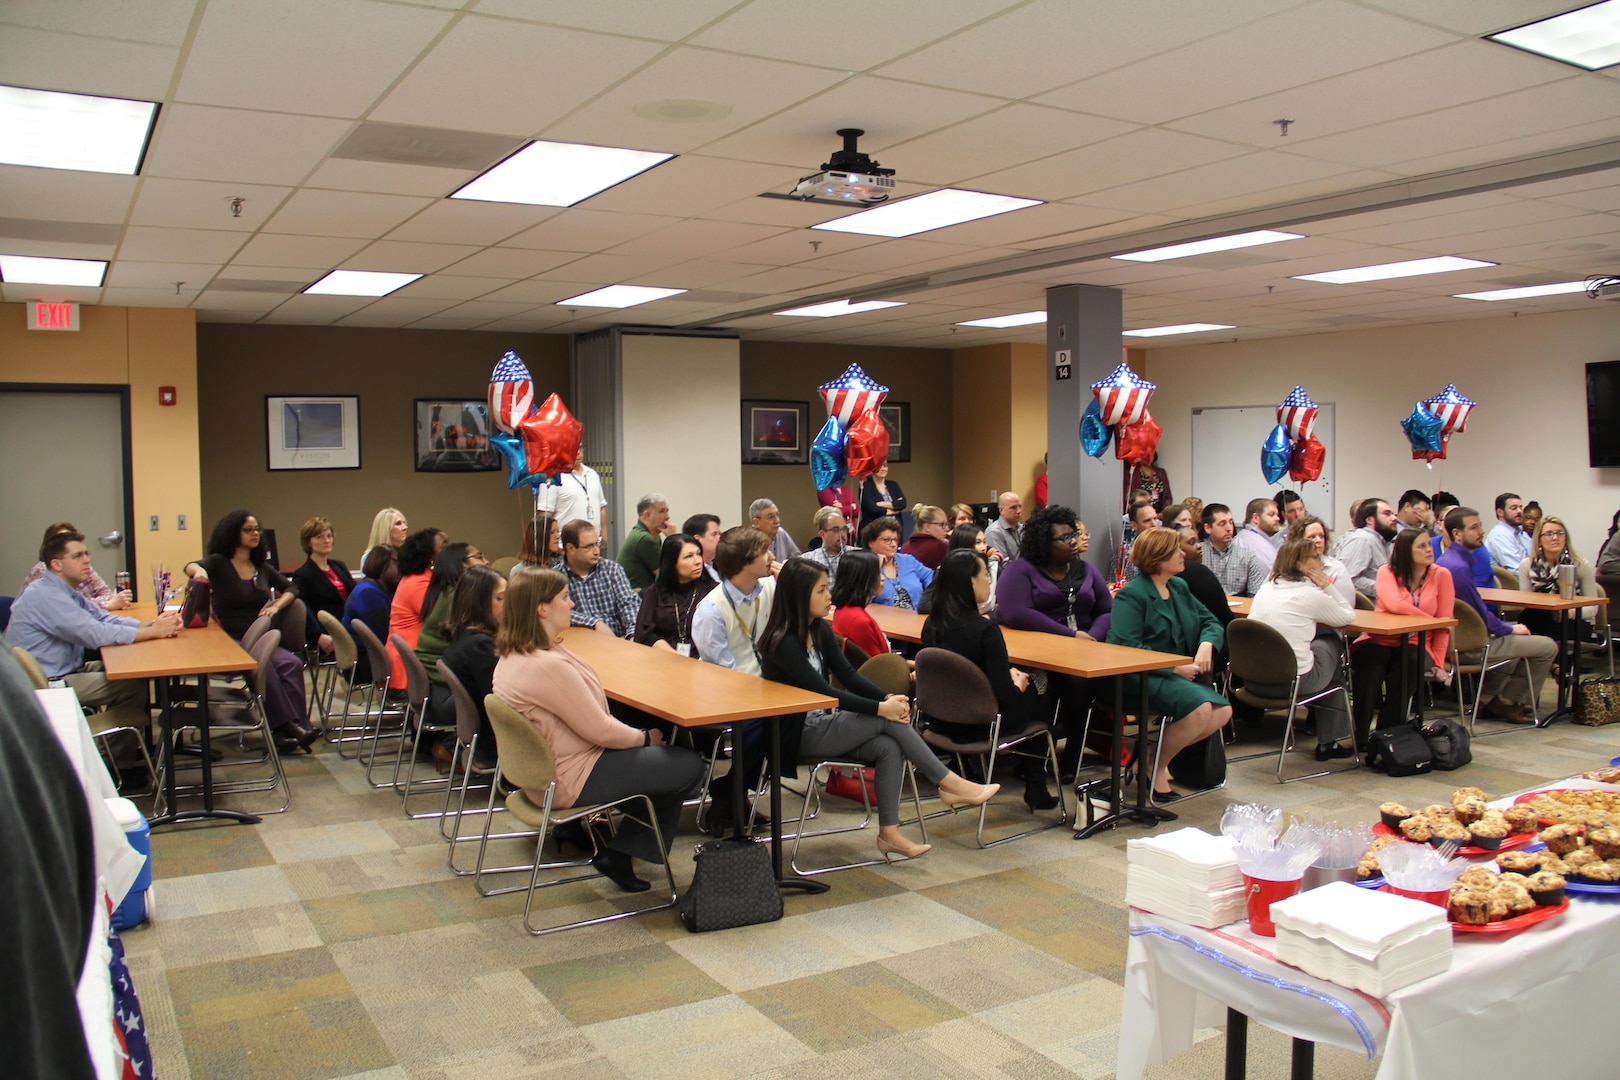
(1400,751)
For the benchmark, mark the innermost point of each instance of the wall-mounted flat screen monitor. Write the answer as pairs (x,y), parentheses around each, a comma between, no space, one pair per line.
(1603,414)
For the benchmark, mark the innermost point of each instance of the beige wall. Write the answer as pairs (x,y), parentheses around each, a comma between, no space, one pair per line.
(998,409)
(239,365)
(791,371)
(143,348)
(672,390)
(1527,435)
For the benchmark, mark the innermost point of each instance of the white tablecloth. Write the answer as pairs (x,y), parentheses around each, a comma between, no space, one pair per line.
(1501,996)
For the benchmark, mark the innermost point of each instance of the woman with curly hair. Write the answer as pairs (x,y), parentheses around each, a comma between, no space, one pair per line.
(1049,587)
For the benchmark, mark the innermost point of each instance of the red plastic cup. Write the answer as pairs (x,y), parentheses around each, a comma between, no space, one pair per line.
(1438,897)
(1261,895)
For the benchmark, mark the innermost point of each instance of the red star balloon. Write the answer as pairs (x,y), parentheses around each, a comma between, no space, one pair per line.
(1136,443)
(867,447)
(551,438)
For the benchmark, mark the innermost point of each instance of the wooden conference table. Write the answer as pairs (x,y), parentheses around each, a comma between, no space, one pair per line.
(201,652)
(1087,659)
(689,693)
(1569,636)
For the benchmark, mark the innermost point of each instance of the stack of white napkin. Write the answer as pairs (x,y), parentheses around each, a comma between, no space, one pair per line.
(1187,875)
(1372,941)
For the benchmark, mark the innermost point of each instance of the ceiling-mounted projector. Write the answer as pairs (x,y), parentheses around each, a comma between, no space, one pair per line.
(849,176)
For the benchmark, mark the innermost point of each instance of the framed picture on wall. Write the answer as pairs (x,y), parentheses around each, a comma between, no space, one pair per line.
(452,435)
(312,432)
(775,433)
(896,416)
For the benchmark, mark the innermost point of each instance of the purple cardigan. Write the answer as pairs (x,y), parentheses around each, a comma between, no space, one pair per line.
(1026,599)
(1459,560)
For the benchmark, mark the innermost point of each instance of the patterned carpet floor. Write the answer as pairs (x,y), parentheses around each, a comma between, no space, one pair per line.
(332,941)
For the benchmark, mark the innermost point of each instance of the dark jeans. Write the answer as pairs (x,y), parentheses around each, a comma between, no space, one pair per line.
(1375,680)
(284,698)
(668,774)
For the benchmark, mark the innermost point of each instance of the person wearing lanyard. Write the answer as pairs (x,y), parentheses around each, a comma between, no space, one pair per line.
(669,604)
(725,629)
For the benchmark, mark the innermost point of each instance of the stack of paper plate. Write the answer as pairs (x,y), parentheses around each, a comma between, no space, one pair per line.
(1187,875)
(1372,941)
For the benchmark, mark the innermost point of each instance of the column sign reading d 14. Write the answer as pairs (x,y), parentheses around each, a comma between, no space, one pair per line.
(52,315)
(1060,361)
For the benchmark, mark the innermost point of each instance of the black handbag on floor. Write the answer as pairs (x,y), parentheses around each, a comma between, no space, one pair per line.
(733,885)
(1201,765)
(1400,751)
(1449,743)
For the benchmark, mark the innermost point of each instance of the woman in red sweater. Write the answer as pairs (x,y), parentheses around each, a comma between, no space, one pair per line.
(860,578)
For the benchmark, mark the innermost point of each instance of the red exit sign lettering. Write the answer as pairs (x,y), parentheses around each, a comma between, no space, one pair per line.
(52,315)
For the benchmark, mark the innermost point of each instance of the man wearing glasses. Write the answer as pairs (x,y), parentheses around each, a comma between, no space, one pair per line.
(833,529)
(602,596)
(56,625)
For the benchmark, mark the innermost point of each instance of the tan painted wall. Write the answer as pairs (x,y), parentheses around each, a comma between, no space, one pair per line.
(143,348)
(999,417)
(239,365)
(791,371)
(1528,434)
(1028,369)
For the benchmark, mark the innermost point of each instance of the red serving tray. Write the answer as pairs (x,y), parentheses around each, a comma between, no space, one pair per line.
(1515,924)
(1511,841)
(1532,795)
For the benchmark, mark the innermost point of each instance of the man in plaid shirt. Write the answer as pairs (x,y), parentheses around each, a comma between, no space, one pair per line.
(601,592)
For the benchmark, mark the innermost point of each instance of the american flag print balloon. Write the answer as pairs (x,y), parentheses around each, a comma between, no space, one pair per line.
(1297,413)
(1452,408)
(1123,396)
(852,394)
(511,393)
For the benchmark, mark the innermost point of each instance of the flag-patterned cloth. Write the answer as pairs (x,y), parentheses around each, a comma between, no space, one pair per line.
(1123,396)
(1452,408)
(511,393)
(1297,413)
(852,394)
(129,1025)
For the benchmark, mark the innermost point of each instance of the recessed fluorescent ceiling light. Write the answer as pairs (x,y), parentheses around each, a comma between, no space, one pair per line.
(1001,321)
(1413,268)
(360,283)
(619,296)
(1588,38)
(921,213)
(837,308)
(1184,328)
(1526,292)
(558,174)
(28,270)
(1204,247)
(73,131)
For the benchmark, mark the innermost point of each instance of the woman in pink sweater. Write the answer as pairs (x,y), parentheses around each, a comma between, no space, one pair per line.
(598,758)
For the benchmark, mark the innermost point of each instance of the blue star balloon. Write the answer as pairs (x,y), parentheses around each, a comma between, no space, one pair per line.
(1423,429)
(510,447)
(827,469)
(1094,434)
(1275,453)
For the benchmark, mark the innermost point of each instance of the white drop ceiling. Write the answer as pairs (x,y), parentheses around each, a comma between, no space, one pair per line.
(1140,122)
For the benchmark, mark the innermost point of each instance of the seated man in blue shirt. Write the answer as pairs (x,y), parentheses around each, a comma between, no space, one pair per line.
(56,625)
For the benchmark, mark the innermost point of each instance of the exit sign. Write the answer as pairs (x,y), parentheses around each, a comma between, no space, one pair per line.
(51,315)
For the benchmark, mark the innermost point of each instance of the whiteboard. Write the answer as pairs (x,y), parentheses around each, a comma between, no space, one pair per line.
(1226,445)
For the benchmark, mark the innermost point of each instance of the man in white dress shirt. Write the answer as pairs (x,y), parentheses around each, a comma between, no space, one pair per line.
(1507,542)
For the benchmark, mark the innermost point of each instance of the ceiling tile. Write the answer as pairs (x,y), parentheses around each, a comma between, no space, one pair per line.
(403,309)
(448,287)
(1136,156)
(788,249)
(778,28)
(996,140)
(690,185)
(749,88)
(610,270)
(387,177)
(276,250)
(315,310)
(126,273)
(21,294)
(702,273)
(508,77)
(85,65)
(56,195)
(694,239)
(208,316)
(197,142)
(146,244)
(1249,176)
(1474,17)
(204,204)
(398,257)
(230,300)
(343,213)
(633,18)
(461,221)
(159,22)
(322,57)
(152,298)
(579,229)
(509,263)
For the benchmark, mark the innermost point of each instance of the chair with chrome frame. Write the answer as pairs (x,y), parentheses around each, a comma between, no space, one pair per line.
(1262,657)
(103,724)
(344,667)
(1471,635)
(417,706)
(377,709)
(467,729)
(526,761)
(954,690)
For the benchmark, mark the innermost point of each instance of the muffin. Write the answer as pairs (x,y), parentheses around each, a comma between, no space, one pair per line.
(1561,839)
(1441,831)
(1578,857)
(1599,872)
(1546,888)
(1511,891)
(1478,877)
(1368,868)
(1554,865)
(1471,907)
(1417,830)
(1468,793)
(1519,862)
(1606,842)
(1469,810)
(1393,813)
(1488,832)
(1520,819)
(1438,812)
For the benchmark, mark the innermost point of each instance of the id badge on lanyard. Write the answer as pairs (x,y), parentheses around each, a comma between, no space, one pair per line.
(684,648)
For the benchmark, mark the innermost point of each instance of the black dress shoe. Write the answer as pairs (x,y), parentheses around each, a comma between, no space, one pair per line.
(1036,797)
(575,833)
(617,867)
(289,743)
(1166,796)
(1334,750)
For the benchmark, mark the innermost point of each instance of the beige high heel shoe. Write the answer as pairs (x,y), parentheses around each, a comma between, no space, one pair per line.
(901,847)
(956,792)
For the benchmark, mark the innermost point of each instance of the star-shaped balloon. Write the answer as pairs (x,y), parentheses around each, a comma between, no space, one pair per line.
(1424,430)
(1452,408)
(511,393)
(510,447)
(867,445)
(1094,434)
(1298,414)
(551,438)
(852,394)
(1123,396)
(1275,453)
(827,468)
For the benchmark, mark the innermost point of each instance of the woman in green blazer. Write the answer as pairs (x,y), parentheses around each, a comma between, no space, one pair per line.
(1157,611)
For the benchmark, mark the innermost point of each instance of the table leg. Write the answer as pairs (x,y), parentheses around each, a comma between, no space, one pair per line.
(1569,659)
(1304,1060)
(1144,812)
(1417,691)
(1237,1044)
(208,811)
(795,882)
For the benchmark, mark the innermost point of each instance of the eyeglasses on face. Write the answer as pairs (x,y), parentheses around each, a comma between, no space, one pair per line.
(1553,534)
(1066,538)
(251,529)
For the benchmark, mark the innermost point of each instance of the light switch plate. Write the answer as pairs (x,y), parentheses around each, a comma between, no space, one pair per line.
(181,523)
(154,525)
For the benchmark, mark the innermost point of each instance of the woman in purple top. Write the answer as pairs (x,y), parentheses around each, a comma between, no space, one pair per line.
(1049,587)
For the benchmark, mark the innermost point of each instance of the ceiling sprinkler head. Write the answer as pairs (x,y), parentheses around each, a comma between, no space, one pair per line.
(1283,125)
(236,202)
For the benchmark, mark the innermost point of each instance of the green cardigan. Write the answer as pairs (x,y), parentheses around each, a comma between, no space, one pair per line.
(639,556)
(1143,620)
